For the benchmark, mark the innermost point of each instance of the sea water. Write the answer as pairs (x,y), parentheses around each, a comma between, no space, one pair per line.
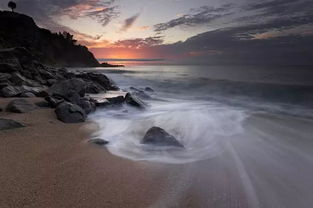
(253,124)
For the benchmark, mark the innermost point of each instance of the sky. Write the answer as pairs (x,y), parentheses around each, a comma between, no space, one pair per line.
(184,31)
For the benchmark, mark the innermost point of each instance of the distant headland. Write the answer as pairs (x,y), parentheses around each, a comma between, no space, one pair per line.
(56,49)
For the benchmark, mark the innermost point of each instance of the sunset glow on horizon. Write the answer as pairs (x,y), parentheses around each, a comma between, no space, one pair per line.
(199,31)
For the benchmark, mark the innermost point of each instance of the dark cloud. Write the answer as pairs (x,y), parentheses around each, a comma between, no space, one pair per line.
(43,11)
(129,22)
(104,16)
(139,42)
(224,46)
(202,15)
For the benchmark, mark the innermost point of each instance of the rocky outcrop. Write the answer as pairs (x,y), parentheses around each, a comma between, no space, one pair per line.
(50,48)
(159,137)
(20,106)
(70,113)
(6,124)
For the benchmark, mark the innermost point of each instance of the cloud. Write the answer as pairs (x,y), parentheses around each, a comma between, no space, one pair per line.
(138,43)
(44,11)
(202,15)
(129,22)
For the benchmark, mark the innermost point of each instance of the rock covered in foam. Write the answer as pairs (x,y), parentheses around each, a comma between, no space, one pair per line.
(159,137)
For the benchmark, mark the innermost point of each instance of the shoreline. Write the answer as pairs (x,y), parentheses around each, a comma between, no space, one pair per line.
(51,164)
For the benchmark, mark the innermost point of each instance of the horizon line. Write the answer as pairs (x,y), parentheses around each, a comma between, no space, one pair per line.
(104,59)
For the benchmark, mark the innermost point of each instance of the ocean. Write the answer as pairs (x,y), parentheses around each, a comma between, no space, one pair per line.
(255,120)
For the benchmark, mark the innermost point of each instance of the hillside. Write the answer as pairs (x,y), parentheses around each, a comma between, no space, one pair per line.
(59,49)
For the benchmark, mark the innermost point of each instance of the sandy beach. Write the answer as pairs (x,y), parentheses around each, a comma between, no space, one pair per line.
(50,164)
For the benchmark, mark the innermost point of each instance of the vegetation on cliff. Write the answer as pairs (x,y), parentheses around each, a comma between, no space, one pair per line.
(61,49)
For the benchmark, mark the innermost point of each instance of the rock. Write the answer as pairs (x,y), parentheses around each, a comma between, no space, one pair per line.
(116,100)
(20,106)
(88,105)
(149,89)
(99,79)
(70,113)
(68,89)
(43,104)
(6,124)
(14,91)
(4,77)
(134,101)
(27,94)
(139,93)
(100,102)
(94,88)
(51,82)
(159,137)
(9,67)
(54,101)
(99,141)
(19,79)
(10,91)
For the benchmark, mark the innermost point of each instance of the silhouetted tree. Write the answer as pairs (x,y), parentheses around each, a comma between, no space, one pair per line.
(12,5)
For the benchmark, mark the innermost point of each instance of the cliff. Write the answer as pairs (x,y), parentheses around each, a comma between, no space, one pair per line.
(58,49)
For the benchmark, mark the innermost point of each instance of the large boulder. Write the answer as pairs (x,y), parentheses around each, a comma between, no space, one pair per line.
(134,101)
(20,106)
(159,137)
(98,79)
(70,113)
(10,91)
(71,90)
(6,124)
(67,88)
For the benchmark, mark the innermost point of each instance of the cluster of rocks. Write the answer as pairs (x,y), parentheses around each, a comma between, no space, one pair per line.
(21,75)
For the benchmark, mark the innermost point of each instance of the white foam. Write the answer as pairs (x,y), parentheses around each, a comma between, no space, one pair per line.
(200,127)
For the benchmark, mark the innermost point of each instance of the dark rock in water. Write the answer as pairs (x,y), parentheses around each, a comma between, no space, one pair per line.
(101,102)
(149,89)
(139,93)
(20,106)
(70,113)
(43,104)
(159,137)
(116,100)
(134,101)
(68,88)
(54,101)
(6,124)
(99,141)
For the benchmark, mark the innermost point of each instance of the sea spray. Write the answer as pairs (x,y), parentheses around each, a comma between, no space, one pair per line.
(199,126)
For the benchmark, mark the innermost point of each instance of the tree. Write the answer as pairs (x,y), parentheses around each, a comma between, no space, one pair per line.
(12,5)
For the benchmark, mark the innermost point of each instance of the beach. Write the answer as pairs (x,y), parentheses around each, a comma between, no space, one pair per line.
(51,164)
